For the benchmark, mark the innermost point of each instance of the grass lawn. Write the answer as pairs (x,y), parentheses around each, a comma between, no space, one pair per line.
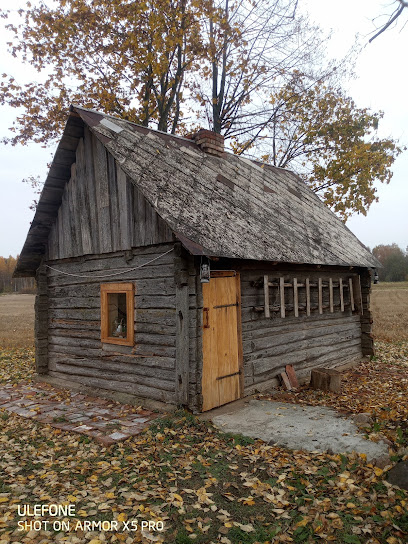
(205,486)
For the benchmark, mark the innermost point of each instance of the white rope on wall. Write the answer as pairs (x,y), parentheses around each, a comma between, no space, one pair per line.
(109,275)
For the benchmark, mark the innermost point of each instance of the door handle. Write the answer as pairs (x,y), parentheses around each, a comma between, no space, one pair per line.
(206,318)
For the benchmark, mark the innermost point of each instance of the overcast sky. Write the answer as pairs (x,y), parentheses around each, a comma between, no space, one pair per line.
(381,85)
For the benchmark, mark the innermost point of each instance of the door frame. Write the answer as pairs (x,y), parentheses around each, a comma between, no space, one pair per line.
(222,274)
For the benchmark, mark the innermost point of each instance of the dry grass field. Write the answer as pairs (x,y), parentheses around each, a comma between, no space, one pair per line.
(17,321)
(389,302)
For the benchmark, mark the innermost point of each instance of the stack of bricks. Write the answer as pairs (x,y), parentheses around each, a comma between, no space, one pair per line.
(210,142)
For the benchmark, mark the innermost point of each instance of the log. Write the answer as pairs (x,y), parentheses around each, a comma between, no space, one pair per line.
(326,379)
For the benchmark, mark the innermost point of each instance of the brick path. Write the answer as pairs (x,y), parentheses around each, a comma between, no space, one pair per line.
(104,420)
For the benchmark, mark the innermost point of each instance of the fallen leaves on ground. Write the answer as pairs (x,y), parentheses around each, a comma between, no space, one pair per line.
(16,365)
(202,485)
(377,387)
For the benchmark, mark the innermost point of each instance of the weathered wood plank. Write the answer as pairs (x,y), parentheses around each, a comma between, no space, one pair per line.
(341,294)
(331,295)
(113,374)
(320,283)
(307,281)
(102,195)
(91,190)
(282,296)
(310,358)
(295,297)
(351,294)
(357,294)
(287,341)
(182,326)
(124,206)
(115,385)
(41,322)
(266,297)
(84,225)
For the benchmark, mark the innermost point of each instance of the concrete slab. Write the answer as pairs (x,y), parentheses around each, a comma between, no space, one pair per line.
(311,428)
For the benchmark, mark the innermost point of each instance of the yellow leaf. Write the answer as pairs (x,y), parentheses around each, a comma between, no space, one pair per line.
(110,495)
(3,499)
(378,471)
(93,478)
(122,517)
(71,498)
(303,522)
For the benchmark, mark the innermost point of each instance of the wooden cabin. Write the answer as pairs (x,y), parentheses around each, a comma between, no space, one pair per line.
(173,271)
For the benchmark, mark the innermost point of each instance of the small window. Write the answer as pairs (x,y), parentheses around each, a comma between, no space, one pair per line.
(117,311)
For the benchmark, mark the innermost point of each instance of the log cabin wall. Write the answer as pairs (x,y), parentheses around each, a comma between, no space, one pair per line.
(324,339)
(367,340)
(41,321)
(327,339)
(75,351)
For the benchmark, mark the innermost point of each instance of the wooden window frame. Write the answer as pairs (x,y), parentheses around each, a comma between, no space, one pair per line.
(118,288)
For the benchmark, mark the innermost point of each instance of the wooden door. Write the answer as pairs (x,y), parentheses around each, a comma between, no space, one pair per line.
(222,346)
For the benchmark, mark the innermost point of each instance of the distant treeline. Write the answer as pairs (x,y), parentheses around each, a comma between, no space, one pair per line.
(8,284)
(394,261)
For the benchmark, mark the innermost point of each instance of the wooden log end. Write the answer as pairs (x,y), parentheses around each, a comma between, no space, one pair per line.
(326,379)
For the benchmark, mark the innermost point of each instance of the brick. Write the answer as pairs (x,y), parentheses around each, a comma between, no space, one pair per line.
(286,381)
(290,371)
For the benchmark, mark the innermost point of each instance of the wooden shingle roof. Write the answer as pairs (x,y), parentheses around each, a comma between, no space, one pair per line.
(218,206)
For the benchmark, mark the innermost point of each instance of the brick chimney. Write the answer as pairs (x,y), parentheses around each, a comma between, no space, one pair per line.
(210,142)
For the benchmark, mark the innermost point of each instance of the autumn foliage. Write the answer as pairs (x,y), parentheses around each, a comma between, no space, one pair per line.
(255,72)
(8,284)
(394,261)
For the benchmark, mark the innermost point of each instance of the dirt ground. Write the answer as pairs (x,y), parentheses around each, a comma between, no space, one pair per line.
(389,302)
(17,321)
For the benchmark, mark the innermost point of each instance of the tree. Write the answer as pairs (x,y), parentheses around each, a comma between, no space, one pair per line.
(254,70)
(394,261)
(124,58)
(320,133)
(7,283)
(399,6)
(252,48)
(140,60)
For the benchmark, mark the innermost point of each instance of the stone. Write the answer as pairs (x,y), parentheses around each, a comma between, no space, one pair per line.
(363,420)
(382,461)
(398,475)
(119,436)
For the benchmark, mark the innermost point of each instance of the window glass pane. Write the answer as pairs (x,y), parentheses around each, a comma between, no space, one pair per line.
(117,315)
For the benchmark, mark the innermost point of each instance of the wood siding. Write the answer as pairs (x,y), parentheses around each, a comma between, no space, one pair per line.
(311,339)
(304,341)
(101,210)
(75,350)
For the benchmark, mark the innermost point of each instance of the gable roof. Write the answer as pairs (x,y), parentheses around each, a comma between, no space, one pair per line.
(217,206)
